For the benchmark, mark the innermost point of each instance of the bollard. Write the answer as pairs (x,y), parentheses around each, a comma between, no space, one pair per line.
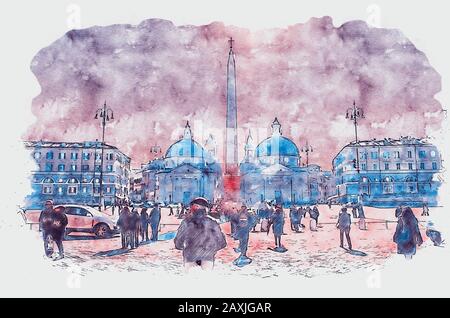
(387,227)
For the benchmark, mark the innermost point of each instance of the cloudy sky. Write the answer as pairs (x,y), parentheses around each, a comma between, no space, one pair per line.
(156,75)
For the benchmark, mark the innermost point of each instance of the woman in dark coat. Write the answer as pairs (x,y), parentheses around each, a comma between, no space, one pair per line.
(407,234)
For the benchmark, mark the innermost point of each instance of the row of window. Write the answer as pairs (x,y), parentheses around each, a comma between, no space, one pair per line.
(387,166)
(73,168)
(73,155)
(73,190)
(396,154)
(388,188)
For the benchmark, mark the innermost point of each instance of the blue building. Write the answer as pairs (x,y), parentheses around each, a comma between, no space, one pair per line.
(272,172)
(187,171)
(388,172)
(69,172)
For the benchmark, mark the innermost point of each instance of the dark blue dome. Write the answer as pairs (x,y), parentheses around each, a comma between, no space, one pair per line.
(277,146)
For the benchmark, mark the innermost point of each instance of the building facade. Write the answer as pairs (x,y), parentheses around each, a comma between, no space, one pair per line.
(272,171)
(186,171)
(388,172)
(69,172)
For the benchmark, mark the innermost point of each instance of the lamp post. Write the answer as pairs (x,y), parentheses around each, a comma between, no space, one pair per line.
(355,113)
(307,148)
(106,114)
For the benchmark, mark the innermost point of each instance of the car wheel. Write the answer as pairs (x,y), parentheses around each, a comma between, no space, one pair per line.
(102,230)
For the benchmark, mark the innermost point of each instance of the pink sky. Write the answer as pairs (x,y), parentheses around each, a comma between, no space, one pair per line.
(157,75)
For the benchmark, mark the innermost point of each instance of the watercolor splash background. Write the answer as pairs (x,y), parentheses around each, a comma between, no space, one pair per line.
(157,75)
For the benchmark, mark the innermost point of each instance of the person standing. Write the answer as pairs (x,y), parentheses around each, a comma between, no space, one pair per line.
(361,217)
(243,228)
(124,224)
(199,237)
(292,217)
(144,224)
(343,224)
(407,234)
(45,222)
(354,211)
(135,228)
(425,209)
(314,215)
(154,219)
(277,222)
(58,229)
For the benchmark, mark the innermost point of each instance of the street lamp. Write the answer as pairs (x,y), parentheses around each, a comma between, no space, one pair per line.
(106,114)
(307,148)
(355,113)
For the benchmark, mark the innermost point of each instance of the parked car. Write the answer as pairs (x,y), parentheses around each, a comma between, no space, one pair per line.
(82,218)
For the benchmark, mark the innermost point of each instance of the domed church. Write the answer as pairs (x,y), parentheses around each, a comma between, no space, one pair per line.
(272,171)
(185,172)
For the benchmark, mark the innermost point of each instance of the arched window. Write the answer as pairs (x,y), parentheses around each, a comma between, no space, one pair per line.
(388,185)
(72,180)
(365,185)
(48,180)
(411,184)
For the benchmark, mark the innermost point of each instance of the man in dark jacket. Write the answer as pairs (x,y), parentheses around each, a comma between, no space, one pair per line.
(144,223)
(45,222)
(154,219)
(343,224)
(199,237)
(58,228)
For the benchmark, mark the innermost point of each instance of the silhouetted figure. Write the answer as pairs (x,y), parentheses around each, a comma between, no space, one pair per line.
(135,228)
(45,223)
(361,217)
(314,215)
(407,234)
(124,223)
(292,217)
(425,209)
(354,213)
(277,222)
(154,219)
(199,237)
(243,228)
(170,210)
(343,224)
(144,224)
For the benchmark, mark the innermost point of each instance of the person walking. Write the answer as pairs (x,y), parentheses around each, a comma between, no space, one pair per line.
(154,219)
(314,218)
(354,212)
(170,210)
(343,224)
(45,222)
(199,237)
(407,234)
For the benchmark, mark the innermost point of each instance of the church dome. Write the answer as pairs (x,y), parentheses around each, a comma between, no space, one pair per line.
(185,148)
(277,146)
